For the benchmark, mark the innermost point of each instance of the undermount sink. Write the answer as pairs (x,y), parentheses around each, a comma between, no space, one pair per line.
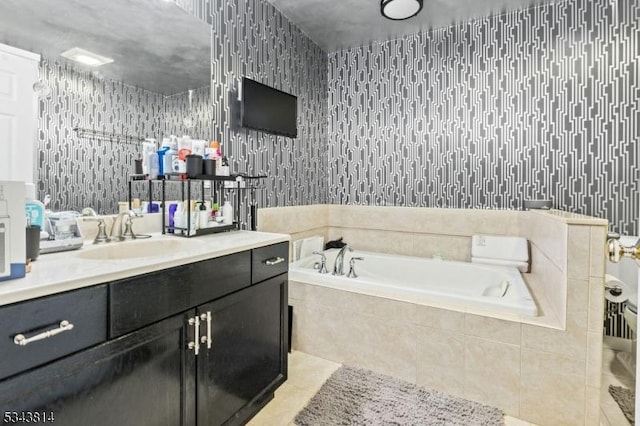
(135,249)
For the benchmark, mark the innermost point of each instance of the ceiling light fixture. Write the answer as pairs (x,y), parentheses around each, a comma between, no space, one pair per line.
(85,57)
(399,10)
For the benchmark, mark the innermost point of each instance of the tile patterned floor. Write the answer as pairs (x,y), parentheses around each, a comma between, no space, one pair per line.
(306,376)
(613,373)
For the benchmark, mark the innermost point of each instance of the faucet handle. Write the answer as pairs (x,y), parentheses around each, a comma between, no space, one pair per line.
(323,262)
(102,230)
(352,270)
(128,233)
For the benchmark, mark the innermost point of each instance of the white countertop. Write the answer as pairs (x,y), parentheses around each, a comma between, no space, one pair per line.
(59,272)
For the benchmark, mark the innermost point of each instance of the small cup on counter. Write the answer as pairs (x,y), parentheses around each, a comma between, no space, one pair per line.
(194,165)
(209,167)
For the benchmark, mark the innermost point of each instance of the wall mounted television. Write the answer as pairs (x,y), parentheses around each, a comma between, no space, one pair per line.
(267,109)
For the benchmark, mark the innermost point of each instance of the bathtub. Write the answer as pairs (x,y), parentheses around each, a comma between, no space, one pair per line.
(462,284)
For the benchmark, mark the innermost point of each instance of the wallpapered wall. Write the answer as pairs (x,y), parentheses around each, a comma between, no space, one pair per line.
(83,172)
(250,38)
(541,103)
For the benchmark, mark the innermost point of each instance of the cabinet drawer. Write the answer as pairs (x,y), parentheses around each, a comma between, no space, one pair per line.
(269,261)
(142,300)
(84,310)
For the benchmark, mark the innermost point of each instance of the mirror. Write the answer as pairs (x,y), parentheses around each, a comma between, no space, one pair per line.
(157,85)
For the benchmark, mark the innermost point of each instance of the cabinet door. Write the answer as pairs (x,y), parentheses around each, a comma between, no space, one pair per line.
(248,357)
(134,380)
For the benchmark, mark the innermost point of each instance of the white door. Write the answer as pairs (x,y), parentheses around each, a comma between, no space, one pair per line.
(18,113)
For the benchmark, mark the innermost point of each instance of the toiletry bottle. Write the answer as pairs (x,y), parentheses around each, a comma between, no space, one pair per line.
(171,156)
(172,214)
(161,160)
(203,216)
(179,217)
(227,213)
(185,148)
(154,165)
(148,152)
(34,209)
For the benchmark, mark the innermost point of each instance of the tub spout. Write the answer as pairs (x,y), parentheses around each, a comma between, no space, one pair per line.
(338,267)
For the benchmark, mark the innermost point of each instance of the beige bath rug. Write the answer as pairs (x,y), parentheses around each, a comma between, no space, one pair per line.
(353,396)
(626,400)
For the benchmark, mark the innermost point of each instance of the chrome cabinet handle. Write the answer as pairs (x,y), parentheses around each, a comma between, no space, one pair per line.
(195,345)
(274,261)
(22,340)
(207,339)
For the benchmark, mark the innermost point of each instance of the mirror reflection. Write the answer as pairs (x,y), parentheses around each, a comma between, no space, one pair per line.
(157,84)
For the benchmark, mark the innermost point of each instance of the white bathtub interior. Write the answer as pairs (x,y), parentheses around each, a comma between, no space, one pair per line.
(462,284)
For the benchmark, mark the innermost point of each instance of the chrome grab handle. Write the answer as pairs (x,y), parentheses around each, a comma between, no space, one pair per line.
(21,340)
(274,261)
(195,345)
(207,339)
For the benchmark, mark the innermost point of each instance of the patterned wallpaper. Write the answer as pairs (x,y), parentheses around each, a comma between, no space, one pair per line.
(178,112)
(250,38)
(539,103)
(79,171)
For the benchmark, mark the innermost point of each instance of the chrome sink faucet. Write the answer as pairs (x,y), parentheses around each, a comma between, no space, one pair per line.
(117,234)
(338,267)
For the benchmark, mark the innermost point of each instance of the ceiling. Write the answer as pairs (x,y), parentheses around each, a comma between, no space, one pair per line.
(156,45)
(341,24)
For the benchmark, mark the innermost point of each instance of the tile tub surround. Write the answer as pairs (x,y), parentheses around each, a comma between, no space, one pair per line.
(540,365)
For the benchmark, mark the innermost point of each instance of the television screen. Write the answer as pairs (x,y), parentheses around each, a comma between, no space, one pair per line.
(267,109)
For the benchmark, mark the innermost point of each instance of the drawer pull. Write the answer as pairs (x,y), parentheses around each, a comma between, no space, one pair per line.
(274,261)
(21,340)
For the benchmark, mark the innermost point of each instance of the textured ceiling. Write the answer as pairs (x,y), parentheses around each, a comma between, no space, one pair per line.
(340,24)
(156,45)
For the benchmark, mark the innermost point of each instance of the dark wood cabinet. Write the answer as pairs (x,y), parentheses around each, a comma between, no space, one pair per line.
(143,368)
(248,359)
(143,378)
(84,311)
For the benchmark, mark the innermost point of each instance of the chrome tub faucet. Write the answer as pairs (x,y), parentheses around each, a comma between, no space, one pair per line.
(338,266)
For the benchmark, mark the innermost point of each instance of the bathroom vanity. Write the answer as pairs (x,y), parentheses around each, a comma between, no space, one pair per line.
(202,342)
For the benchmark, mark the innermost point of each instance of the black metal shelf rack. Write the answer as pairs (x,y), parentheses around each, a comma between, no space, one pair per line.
(242,182)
